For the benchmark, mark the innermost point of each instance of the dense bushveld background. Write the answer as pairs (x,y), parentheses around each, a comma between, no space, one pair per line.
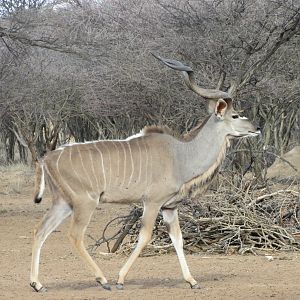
(82,70)
(74,70)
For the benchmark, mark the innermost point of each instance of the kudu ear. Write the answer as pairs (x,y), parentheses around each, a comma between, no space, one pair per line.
(214,106)
(221,107)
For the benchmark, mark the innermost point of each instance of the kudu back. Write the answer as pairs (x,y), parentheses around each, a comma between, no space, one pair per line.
(153,167)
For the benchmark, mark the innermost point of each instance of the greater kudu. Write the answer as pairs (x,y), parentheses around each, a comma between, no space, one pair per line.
(154,167)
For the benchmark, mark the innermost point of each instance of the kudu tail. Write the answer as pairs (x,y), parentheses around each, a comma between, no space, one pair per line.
(39,186)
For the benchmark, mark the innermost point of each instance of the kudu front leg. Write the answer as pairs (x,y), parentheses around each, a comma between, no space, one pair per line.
(171,219)
(148,220)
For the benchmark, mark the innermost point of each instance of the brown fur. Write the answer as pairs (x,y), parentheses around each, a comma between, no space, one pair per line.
(148,130)
(195,130)
(158,129)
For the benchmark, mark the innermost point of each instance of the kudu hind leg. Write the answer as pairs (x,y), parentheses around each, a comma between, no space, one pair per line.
(148,220)
(171,219)
(79,223)
(58,212)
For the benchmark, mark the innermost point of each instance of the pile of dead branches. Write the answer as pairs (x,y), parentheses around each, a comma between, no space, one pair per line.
(229,220)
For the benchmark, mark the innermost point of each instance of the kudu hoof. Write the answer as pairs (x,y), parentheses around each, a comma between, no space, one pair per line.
(106,285)
(120,286)
(38,290)
(196,286)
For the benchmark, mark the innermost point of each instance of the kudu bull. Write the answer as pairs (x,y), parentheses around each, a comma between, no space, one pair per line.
(154,167)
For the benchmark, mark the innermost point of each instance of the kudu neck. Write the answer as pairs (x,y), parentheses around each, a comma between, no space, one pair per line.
(205,151)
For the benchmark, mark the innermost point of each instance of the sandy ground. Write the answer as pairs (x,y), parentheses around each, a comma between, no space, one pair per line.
(155,277)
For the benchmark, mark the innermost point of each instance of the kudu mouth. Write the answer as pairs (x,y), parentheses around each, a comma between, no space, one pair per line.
(252,133)
(249,134)
(255,133)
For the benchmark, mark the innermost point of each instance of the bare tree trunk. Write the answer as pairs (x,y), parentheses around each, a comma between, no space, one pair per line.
(22,153)
(10,147)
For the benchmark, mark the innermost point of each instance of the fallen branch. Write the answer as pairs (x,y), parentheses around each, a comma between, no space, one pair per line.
(223,222)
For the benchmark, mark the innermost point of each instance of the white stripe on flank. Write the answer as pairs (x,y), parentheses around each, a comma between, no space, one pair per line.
(94,172)
(75,171)
(140,170)
(103,170)
(83,167)
(132,165)
(151,167)
(62,150)
(92,197)
(124,163)
(146,162)
(118,162)
(109,160)
(59,159)
(42,184)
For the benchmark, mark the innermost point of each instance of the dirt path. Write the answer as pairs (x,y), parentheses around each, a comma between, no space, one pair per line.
(157,277)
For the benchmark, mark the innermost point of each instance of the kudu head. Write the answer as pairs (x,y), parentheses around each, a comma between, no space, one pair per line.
(219,103)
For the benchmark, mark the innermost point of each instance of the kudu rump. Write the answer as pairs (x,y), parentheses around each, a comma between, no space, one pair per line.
(153,167)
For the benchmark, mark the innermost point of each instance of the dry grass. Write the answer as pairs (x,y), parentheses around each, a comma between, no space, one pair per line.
(15,178)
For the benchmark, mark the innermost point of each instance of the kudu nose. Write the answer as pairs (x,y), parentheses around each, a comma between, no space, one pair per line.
(259,129)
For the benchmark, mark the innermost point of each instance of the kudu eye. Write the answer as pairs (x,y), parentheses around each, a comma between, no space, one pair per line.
(235,116)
